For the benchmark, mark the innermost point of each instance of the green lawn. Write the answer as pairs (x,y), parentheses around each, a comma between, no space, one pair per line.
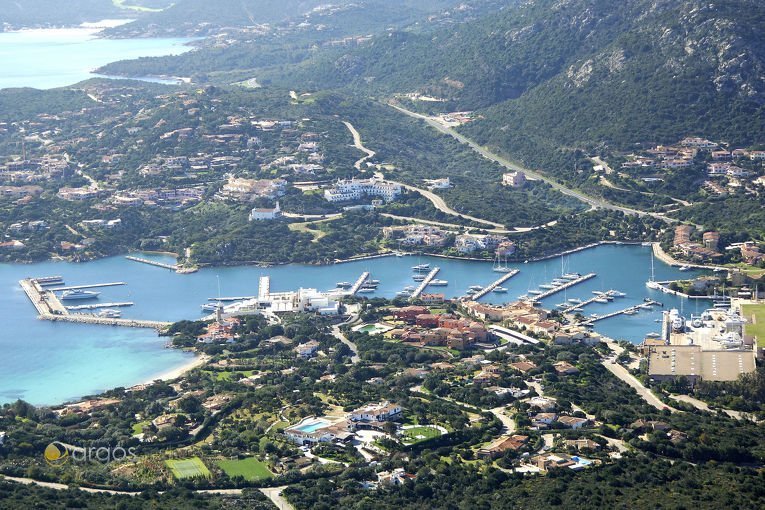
(419,434)
(226,376)
(250,469)
(755,327)
(138,427)
(188,468)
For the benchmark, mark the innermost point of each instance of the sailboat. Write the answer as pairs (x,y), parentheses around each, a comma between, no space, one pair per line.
(652,283)
(213,305)
(499,267)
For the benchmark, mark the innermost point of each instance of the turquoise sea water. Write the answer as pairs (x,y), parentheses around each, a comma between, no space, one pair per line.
(47,363)
(49,58)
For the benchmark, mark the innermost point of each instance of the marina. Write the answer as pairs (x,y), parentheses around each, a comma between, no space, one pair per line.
(49,308)
(164,296)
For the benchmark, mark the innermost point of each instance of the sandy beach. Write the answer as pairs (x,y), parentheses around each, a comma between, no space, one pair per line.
(198,361)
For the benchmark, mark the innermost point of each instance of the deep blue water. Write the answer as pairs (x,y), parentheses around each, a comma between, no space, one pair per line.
(50,362)
(49,58)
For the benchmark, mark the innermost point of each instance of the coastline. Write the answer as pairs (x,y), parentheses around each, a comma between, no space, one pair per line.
(198,361)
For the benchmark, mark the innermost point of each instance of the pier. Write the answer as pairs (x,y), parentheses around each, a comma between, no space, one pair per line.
(231,299)
(564,286)
(50,280)
(264,287)
(49,308)
(432,274)
(643,306)
(478,295)
(105,321)
(91,286)
(96,306)
(361,281)
(172,267)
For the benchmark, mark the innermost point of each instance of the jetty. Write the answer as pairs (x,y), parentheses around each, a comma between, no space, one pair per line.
(361,281)
(49,308)
(636,308)
(264,287)
(90,286)
(96,306)
(478,295)
(50,280)
(105,321)
(432,274)
(172,267)
(564,286)
(231,299)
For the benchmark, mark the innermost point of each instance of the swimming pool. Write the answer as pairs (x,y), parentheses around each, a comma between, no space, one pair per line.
(310,425)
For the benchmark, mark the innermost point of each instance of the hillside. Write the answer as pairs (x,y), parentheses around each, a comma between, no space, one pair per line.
(578,71)
(682,68)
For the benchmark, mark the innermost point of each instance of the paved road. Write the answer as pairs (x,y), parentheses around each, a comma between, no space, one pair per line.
(509,426)
(486,153)
(275,495)
(703,406)
(647,395)
(360,146)
(340,336)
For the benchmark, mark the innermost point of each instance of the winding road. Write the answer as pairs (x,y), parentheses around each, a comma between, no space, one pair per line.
(486,153)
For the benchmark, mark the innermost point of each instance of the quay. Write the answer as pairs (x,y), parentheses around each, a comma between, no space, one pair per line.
(50,280)
(91,286)
(561,288)
(49,308)
(96,306)
(490,288)
(361,281)
(581,305)
(264,287)
(432,274)
(172,267)
(105,321)
(643,306)
(609,295)
(231,299)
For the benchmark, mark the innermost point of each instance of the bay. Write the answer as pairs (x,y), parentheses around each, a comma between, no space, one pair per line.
(58,57)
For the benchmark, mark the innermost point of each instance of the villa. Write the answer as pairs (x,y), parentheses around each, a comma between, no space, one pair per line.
(265,214)
(356,189)
(313,430)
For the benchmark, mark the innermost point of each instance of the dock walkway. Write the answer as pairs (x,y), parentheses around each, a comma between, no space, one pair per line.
(643,306)
(432,274)
(561,288)
(478,295)
(361,281)
(172,267)
(90,286)
(96,306)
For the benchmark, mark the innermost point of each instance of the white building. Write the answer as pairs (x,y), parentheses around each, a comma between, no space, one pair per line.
(383,411)
(356,189)
(266,214)
(514,179)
